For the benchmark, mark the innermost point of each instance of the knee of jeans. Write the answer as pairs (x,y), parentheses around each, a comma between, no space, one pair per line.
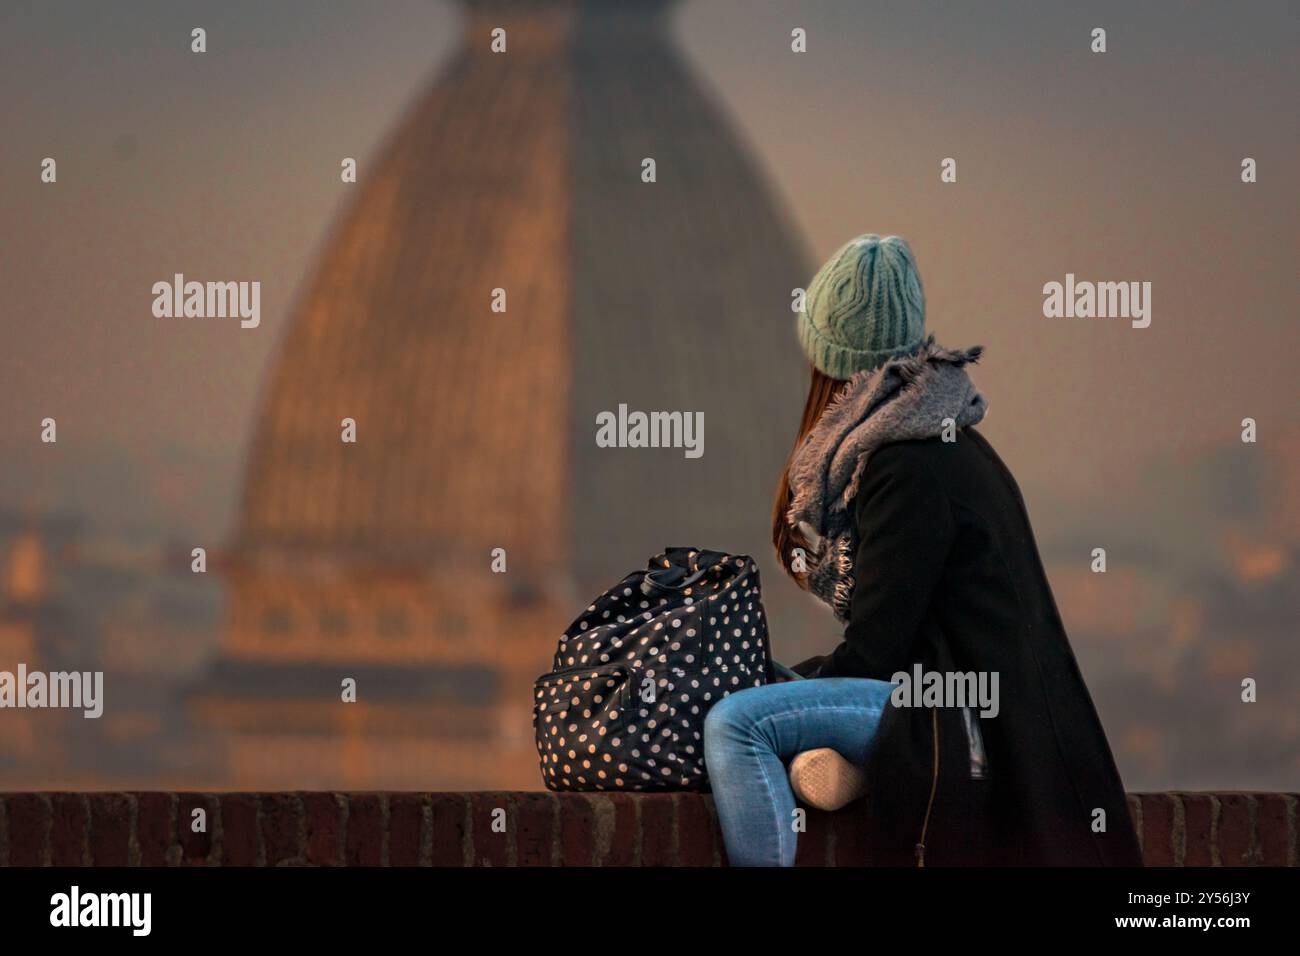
(728,718)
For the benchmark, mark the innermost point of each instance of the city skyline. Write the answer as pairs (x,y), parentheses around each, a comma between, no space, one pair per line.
(228,170)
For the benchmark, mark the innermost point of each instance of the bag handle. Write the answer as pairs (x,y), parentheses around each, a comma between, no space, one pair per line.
(679,568)
(692,559)
(673,578)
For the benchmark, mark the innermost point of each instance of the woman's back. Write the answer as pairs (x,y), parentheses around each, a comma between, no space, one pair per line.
(947,578)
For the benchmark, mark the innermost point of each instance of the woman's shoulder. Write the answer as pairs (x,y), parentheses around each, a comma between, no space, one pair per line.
(906,473)
(927,467)
(916,455)
(966,470)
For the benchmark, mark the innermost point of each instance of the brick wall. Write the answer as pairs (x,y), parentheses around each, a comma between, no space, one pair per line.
(540,829)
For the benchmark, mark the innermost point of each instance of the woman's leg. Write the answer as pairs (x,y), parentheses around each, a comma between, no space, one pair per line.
(750,735)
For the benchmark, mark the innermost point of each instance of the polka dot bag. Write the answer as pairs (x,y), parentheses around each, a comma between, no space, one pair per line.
(623,706)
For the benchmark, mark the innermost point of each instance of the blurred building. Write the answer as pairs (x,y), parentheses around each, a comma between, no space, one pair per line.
(23,593)
(519,171)
(73,599)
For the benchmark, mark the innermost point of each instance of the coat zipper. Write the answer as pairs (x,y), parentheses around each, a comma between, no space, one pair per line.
(934,786)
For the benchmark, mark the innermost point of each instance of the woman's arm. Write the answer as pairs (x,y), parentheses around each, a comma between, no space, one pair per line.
(782,673)
(905,530)
(811,667)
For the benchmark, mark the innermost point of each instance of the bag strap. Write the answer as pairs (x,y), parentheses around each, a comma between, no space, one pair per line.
(672,578)
(707,559)
(679,568)
(692,559)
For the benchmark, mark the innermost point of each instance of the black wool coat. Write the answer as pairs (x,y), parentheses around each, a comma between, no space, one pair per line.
(947,574)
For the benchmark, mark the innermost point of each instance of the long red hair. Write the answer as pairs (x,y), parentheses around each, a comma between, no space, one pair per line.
(821,390)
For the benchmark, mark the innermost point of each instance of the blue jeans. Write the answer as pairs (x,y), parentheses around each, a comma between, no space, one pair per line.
(751,735)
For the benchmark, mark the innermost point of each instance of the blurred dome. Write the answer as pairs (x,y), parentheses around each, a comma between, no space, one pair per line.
(476,429)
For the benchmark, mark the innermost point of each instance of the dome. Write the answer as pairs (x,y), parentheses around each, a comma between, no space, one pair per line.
(476,429)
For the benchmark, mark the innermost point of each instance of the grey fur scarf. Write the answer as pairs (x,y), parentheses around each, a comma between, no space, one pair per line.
(906,398)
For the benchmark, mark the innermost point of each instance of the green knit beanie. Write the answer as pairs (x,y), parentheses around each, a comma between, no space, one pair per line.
(864,307)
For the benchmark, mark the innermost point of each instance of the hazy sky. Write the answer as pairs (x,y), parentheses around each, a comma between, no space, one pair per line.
(1118,166)
(1122,166)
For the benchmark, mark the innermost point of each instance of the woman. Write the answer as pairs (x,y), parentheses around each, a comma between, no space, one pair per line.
(898,514)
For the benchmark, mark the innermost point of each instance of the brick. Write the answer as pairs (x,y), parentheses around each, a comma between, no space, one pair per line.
(155,828)
(1273,815)
(624,848)
(323,821)
(279,820)
(1236,831)
(535,835)
(578,828)
(491,845)
(697,830)
(405,828)
(70,823)
(110,829)
(1158,810)
(658,826)
(364,841)
(448,828)
(543,828)
(1198,823)
(196,847)
(813,846)
(239,836)
(29,817)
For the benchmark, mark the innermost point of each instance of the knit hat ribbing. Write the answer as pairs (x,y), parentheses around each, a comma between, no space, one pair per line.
(864,307)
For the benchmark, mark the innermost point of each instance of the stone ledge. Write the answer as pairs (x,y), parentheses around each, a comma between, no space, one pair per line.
(540,829)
